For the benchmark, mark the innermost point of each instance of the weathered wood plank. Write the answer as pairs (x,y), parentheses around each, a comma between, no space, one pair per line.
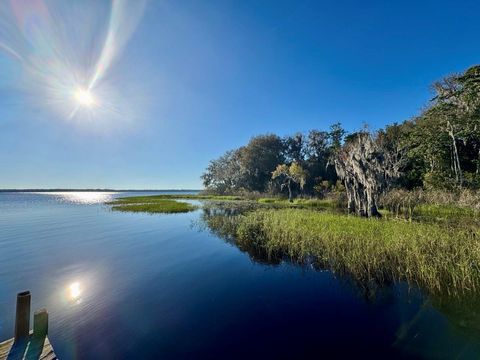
(38,348)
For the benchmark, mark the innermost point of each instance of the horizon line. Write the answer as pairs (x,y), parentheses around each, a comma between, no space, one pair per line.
(90,189)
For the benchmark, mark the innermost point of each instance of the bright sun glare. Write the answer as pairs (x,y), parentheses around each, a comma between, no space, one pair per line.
(74,290)
(84,97)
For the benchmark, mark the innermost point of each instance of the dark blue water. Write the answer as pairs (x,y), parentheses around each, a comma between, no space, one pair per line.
(138,286)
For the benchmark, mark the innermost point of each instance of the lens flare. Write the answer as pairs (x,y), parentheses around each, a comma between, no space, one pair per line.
(65,50)
(84,97)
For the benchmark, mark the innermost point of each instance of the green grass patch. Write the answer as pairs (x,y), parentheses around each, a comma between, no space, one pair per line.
(445,211)
(314,203)
(163,206)
(269,200)
(448,215)
(276,202)
(300,203)
(437,258)
(159,198)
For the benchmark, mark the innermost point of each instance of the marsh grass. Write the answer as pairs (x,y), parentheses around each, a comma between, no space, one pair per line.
(163,206)
(439,250)
(432,204)
(447,215)
(159,198)
(446,211)
(271,202)
(437,258)
(299,203)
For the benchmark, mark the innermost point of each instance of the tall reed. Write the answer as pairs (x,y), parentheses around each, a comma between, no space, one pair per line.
(437,258)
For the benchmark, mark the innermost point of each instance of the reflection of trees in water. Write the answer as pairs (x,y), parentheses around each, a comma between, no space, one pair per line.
(222,219)
(463,313)
(427,316)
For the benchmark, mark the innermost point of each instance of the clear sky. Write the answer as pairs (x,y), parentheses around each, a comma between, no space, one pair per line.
(197,78)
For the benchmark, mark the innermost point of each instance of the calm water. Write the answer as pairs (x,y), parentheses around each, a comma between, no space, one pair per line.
(122,285)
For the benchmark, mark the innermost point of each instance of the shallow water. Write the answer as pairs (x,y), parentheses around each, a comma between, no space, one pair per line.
(129,285)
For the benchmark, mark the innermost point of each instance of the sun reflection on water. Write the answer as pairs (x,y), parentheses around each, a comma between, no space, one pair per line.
(78,289)
(83,197)
(74,293)
(74,290)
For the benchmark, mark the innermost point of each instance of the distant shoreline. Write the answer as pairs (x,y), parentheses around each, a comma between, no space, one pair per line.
(92,190)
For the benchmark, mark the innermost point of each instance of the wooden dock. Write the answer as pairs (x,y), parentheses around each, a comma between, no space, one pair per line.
(32,348)
(28,344)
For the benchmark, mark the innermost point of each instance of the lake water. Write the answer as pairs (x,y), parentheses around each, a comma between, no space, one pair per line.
(139,286)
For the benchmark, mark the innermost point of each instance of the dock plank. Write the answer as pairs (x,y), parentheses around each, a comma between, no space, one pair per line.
(31,349)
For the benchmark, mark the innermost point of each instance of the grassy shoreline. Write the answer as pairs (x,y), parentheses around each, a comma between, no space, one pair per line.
(163,203)
(439,250)
(160,206)
(437,258)
(273,201)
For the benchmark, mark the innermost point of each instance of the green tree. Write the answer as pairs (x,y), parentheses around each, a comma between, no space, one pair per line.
(224,175)
(293,174)
(259,158)
(337,134)
(318,151)
(446,136)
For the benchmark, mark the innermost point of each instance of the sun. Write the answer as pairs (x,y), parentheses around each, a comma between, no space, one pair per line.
(84,97)
(74,290)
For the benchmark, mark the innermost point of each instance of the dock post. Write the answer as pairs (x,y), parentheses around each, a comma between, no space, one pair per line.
(40,323)
(22,316)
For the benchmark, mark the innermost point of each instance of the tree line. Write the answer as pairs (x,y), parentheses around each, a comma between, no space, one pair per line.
(438,149)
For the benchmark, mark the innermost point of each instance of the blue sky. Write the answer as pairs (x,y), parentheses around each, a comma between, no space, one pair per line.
(205,76)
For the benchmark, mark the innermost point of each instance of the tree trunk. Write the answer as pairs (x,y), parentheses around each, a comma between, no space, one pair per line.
(365,173)
(372,208)
(456,158)
(478,162)
(350,197)
(289,185)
